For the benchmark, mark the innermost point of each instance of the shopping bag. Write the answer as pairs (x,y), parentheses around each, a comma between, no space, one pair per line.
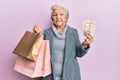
(29,45)
(39,68)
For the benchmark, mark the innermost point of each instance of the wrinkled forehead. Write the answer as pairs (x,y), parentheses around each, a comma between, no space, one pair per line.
(58,9)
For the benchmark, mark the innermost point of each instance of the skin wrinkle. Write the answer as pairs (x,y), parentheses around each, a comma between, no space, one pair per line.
(59,18)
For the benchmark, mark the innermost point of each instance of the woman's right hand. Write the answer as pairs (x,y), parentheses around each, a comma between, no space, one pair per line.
(36,29)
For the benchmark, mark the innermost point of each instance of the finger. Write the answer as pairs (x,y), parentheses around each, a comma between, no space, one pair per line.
(36,29)
(86,40)
(89,36)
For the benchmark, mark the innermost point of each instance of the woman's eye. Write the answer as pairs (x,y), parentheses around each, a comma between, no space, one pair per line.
(54,15)
(61,14)
(57,15)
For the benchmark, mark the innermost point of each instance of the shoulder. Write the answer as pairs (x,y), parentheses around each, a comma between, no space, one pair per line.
(48,30)
(72,30)
(48,33)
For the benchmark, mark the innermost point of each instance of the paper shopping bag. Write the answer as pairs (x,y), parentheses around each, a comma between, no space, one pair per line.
(29,45)
(39,68)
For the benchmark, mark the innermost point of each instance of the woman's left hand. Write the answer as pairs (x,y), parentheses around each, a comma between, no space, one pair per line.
(36,29)
(88,40)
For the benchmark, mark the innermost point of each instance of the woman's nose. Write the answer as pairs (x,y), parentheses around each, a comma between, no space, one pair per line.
(58,16)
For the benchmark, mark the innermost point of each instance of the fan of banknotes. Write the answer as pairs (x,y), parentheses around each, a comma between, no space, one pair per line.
(89,26)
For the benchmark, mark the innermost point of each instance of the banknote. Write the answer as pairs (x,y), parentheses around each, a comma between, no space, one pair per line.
(89,26)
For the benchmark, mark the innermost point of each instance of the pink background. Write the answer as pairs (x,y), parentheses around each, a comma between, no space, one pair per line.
(103,59)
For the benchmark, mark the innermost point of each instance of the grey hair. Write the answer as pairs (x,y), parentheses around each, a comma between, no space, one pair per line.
(59,6)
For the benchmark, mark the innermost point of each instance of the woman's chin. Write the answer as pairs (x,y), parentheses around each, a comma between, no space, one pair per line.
(59,25)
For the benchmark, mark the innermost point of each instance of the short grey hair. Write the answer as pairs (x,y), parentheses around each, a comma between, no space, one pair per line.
(56,6)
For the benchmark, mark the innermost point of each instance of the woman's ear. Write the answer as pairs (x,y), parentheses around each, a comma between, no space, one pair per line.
(51,18)
(66,18)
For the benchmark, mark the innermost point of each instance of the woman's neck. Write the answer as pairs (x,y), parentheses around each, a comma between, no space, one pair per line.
(60,28)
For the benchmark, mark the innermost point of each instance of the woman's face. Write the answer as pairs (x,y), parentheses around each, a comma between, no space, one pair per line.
(59,17)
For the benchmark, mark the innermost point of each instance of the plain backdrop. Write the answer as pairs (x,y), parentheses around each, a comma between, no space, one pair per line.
(103,59)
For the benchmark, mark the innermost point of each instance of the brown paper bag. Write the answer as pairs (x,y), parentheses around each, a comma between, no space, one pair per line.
(29,45)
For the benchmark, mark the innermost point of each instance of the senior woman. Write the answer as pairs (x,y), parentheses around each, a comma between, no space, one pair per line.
(65,46)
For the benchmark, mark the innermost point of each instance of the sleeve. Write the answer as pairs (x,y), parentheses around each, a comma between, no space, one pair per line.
(80,51)
(44,35)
